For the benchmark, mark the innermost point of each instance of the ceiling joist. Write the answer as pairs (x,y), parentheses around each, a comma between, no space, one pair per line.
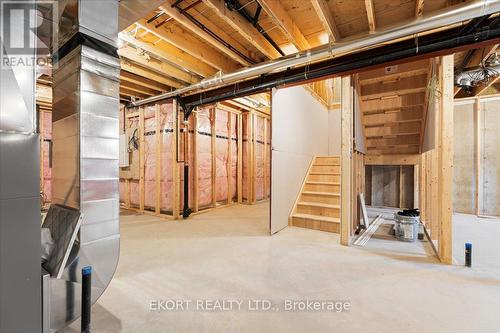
(326,18)
(244,28)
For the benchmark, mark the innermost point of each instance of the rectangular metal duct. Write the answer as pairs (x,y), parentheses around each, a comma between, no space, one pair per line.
(85,135)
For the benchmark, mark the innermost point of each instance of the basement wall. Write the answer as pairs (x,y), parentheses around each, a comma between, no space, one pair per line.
(476,176)
(226,156)
(299,132)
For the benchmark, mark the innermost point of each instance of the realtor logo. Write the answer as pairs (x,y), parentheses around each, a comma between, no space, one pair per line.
(28,29)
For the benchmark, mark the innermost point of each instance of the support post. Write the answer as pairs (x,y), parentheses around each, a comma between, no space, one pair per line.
(141,160)
(229,165)
(175,164)
(346,161)
(158,136)
(240,159)
(214,162)
(195,162)
(446,159)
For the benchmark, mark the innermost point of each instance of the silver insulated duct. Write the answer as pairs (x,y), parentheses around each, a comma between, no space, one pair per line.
(85,163)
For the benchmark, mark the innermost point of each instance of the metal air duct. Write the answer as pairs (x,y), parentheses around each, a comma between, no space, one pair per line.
(85,136)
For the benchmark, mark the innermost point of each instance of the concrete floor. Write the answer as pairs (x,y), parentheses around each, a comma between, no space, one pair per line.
(226,254)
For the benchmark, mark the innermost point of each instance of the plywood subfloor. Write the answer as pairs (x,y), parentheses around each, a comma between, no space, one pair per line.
(227,254)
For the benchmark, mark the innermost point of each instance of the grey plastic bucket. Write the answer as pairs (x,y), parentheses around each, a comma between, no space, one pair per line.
(406,227)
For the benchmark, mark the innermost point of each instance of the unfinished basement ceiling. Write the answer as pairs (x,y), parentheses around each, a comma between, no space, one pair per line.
(172,47)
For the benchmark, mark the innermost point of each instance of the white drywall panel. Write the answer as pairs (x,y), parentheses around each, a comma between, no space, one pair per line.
(299,132)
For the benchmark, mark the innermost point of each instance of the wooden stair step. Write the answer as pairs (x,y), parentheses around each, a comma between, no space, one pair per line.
(332,194)
(317,204)
(317,218)
(326,164)
(326,173)
(322,183)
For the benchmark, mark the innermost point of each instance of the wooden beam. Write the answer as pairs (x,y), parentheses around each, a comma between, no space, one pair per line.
(419,8)
(169,52)
(446,159)
(156,65)
(326,18)
(183,20)
(147,73)
(142,81)
(370,13)
(138,88)
(282,19)
(244,28)
(346,160)
(476,91)
(480,55)
(185,41)
(131,93)
(229,165)
(412,159)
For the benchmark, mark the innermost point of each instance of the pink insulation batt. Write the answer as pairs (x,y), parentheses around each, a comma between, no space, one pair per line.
(221,154)
(46,117)
(204,157)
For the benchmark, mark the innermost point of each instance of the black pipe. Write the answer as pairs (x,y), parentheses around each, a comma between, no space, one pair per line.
(86,298)
(428,45)
(155,17)
(234,5)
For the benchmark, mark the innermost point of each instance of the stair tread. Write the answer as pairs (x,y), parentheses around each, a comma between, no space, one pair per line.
(326,164)
(333,194)
(317,217)
(317,204)
(322,182)
(325,173)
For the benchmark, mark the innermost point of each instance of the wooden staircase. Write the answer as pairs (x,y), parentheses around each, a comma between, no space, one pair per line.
(318,204)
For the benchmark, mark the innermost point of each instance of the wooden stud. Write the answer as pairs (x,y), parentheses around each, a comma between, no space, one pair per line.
(446,159)
(401,187)
(175,165)
(127,193)
(239,171)
(41,126)
(265,159)
(346,160)
(229,166)
(252,157)
(158,164)
(214,161)
(141,159)
(195,163)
